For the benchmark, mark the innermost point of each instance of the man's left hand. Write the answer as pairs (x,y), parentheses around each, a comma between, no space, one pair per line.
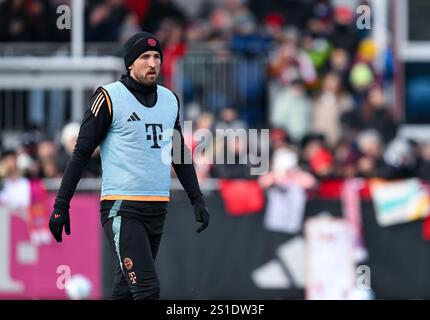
(202,215)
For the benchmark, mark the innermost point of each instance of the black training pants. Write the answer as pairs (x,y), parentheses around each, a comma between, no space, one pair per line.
(134,229)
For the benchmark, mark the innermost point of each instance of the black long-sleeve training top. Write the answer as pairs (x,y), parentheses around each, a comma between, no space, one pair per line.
(94,127)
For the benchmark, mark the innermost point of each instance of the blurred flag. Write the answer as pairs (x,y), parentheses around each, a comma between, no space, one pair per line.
(399,201)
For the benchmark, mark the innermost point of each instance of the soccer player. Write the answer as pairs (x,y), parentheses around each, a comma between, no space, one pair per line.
(127,118)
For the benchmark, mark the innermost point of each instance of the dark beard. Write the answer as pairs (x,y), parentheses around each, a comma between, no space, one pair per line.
(148,82)
(137,85)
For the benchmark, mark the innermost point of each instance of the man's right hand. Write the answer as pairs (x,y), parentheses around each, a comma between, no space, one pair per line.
(202,215)
(58,220)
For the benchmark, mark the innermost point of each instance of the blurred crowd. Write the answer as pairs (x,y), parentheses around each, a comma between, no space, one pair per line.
(40,156)
(329,105)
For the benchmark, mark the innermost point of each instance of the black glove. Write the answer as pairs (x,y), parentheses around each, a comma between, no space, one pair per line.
(59,218)
(202,215)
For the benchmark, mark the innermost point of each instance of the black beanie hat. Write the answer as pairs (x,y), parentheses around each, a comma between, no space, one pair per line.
(138,44)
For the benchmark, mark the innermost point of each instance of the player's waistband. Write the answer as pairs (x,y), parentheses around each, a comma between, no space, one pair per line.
(135,198)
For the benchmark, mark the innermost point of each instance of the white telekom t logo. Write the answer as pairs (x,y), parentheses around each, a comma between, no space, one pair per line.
(7,284)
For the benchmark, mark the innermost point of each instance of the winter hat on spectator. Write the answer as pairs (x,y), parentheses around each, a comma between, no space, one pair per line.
(138,44)
(343,15)
(321,161)
(274,20)
(361,76)
(367,50)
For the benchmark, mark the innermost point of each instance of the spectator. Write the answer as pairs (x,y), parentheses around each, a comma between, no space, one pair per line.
(138,7)
(234,165)
(106,20)
(158,11)
(346,157)
(321,21)
(222,25)
(318,159)
(318,48)
(294,12)
(26,164)
(244,21)
(204,123)
(322,163)
(291,111)
(278,139)
(423,170)
(69,137)
(344,34)
(46,155)
(42,20)
(328,107)
(339,63)
(129,27)
(377,115)
(30,21)
(370,146)
(367,51)
(400,161)
(27,155)
(172,35)
(374,114)
(362,79)
(273,26)
(201,143)
(285,170)
(228,119)
(15,193)
(291,63)
(14,21)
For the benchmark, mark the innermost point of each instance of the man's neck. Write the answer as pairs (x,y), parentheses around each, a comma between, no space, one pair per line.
(146,95)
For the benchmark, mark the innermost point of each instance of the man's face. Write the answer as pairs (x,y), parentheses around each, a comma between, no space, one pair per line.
(146,67)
